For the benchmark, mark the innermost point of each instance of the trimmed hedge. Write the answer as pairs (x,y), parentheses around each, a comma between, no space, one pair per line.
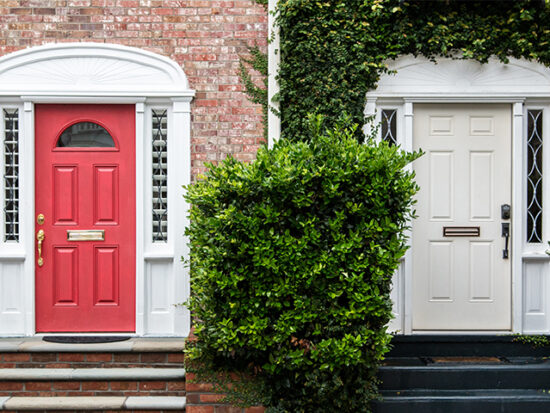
(291,264)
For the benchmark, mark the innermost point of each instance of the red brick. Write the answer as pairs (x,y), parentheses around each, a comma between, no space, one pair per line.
(66,385)
(211,398)
(38,385)
(99,357)
(176,358)
(255,409)
(71,357)
(127,358)
(201,387)
(43,357)
(199,409)
(152,385)
(153,358)
(10,385)
(175,385)
(17,357)
(123,385)
(228,409)
(95,385)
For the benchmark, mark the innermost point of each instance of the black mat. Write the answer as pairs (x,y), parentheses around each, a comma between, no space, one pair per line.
(84,339)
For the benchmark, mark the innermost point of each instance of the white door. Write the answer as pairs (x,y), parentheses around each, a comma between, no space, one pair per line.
(461,281)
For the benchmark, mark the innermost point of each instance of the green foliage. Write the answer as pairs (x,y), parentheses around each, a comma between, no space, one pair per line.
(256,94)
(533,341)
(291,264)
(333,52)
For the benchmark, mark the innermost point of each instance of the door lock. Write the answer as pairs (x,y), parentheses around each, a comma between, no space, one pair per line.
(505,211)
(506,234)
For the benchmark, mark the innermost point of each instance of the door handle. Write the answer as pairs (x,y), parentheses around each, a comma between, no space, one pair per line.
(40,238)
(506,234)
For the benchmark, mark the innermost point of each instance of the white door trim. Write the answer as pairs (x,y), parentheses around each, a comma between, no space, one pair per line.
(106,73)
(418,80)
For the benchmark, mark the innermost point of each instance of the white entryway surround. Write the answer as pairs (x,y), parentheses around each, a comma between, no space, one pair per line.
(103,73)
(525,86)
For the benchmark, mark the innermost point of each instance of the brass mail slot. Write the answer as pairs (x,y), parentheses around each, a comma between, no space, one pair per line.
(86,235)
(461,231)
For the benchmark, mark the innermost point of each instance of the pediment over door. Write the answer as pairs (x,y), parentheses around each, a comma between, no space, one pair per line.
(418,76)
(91,69)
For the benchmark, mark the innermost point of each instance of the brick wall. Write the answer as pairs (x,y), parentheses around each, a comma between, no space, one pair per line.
(206,37)
(201,398)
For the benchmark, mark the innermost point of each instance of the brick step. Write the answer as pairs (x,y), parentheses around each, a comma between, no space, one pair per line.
(92,382)
(138,374)
(90,359)
(83,403)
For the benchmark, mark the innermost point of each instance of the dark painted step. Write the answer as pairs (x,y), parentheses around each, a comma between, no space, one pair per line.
(477,401)
(464,374)
(467,345)
(467,376)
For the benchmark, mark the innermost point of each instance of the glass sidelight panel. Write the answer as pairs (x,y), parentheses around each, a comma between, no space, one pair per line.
(534,175)
(389,126)
(160,174)
(11,174)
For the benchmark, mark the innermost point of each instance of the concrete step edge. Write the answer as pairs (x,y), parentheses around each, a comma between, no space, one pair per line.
(497,393)
(433,368)
(458,399)
(93,403)
(130,373)
(136,344)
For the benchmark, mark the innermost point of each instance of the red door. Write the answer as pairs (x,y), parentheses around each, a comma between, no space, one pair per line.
(85,191)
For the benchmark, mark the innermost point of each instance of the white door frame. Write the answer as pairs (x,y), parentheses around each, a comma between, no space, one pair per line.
(90,73)
(519,83)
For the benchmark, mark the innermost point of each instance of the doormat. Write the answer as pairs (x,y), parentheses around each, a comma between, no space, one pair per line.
(84,339)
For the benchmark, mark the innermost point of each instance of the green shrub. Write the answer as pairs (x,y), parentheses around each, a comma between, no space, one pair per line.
(291,264)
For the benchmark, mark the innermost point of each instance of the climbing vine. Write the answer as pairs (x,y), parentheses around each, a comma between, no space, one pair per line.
(334,51)
(255,93)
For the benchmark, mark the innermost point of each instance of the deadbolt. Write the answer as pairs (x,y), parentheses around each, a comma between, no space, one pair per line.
(40,219)
(505,211)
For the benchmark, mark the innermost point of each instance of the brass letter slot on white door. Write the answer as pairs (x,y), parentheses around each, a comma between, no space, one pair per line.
(461,231)
(86,235)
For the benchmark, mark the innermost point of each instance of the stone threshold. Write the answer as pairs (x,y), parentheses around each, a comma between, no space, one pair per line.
(93,403)
(135,344)
(133,373)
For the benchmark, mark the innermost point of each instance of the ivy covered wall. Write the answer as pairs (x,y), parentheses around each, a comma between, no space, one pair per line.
(333,51)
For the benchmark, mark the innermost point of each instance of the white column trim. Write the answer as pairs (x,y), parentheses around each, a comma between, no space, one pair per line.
(517,216)
(140,218)
(27,212)
(273,61)
(181,162)
(408,137)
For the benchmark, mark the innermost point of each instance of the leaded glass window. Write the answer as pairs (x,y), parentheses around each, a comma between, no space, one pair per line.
(534,176)
(389,126)
(11,174)
(160,174)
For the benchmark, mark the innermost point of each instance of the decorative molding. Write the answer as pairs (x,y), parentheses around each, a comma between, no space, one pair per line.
(418,77)
(91,69)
